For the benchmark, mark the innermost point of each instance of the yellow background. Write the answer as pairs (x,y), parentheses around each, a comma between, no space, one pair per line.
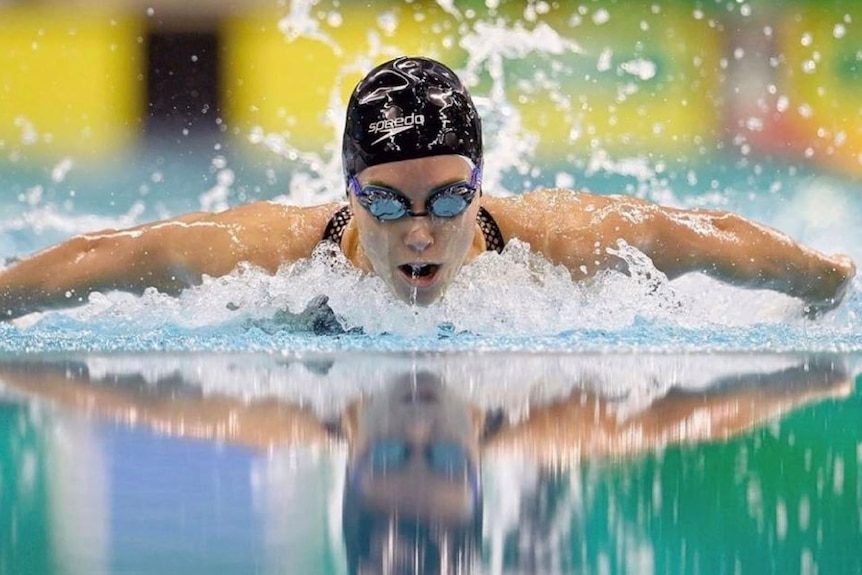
(78,76)
(75,77)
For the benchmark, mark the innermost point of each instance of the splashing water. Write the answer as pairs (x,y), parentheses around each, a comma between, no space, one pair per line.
(538,306)
(492,325)
(514,299)
(414,292)
(490,45)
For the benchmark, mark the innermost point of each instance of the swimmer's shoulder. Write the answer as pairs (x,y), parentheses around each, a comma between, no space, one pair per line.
(540,211)
(279,218)
(272,227)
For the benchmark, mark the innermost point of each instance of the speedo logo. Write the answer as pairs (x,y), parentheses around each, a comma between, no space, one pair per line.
(389,128)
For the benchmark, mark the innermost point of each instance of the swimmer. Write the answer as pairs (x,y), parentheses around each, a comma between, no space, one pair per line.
(413,490)
(415,213)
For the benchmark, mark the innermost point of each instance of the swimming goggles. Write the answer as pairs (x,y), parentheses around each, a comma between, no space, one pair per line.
(388,205)
(445,458)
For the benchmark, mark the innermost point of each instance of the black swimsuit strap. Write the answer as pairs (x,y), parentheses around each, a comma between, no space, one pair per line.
(493,238)
(335,228)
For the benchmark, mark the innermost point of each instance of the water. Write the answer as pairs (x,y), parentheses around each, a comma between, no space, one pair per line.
(162,471)
(204,433)
(93,484)
(537,307)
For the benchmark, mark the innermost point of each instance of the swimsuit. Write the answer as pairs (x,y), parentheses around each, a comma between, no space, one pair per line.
(493,237)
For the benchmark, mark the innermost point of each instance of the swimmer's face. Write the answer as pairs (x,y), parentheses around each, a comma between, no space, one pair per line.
(418,256)
(415,452)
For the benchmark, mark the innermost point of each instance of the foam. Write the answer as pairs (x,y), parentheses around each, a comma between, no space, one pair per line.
(538,307)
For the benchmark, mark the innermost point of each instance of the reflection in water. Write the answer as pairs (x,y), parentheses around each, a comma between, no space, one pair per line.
(448,463)
(413,495)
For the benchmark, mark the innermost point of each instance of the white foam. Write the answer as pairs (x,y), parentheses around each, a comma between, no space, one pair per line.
(517,292)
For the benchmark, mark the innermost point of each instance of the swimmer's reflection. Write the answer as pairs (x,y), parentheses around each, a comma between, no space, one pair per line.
(413,500)
(413,493)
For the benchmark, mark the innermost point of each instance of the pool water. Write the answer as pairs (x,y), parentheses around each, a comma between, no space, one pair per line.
(200,434)
(93,489)
(98,478)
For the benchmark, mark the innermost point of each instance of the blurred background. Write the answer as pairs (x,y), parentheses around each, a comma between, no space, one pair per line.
(115,112)
(669,81)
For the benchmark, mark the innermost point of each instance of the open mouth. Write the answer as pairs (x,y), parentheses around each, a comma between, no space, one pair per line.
(419,274)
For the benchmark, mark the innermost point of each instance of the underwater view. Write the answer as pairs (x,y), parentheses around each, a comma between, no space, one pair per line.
(310,421)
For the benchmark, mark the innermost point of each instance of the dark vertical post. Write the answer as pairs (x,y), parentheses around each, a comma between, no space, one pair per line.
(182,84)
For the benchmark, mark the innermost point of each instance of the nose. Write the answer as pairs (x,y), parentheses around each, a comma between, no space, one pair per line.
(418,433)
(419,237)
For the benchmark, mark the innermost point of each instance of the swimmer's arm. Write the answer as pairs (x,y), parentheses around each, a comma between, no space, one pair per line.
(169,255)
(739,251)
(586,425)
(256,424)
(581,232)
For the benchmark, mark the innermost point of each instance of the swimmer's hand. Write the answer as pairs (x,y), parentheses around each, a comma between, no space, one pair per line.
(845,270)
(317,318)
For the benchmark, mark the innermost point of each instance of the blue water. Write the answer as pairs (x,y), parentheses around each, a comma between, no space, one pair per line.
(103,470)
(95,485)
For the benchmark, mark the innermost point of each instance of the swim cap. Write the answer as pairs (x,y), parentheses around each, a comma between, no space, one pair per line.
(409,108)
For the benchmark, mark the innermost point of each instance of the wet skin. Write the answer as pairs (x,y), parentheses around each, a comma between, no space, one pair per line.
(418,257)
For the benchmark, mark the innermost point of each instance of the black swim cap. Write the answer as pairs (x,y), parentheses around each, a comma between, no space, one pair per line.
(409,108)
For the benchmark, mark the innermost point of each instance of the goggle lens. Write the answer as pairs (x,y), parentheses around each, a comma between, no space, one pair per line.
(450,204)
(447,459)
(387,204)
(386,209)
